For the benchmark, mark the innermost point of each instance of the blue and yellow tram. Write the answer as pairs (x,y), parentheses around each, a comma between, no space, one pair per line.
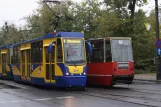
(51,60)
(5,62)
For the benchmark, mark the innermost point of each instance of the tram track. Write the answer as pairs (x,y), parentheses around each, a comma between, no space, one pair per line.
(144,101)
(133,95)
(109,94)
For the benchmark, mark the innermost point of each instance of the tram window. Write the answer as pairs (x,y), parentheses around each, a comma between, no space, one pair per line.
(33,52)
(98,51)
(16,55)
(36,52)
(87,54)
(52,55)
(108,51)
(59,51)
(8,57)
(47,54)
(39,51)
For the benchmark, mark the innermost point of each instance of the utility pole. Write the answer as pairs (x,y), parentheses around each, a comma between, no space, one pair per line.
(89,18)
(89,23)
(158,62)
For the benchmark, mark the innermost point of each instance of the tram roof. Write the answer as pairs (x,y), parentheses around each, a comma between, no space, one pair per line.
(6,46)
(110,38)
(59,35)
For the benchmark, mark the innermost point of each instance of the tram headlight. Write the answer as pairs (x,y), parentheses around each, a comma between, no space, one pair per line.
(84,73)
(67,73)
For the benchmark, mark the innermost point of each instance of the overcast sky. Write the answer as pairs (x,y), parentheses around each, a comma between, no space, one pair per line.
(15,10)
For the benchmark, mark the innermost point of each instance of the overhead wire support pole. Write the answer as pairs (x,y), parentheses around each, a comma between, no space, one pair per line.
(157,19)
(158,62)
(89,18)
(58,16)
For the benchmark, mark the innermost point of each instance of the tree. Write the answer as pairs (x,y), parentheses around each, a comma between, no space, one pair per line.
(85,15)
(123,6)
(42,21)
(11,32)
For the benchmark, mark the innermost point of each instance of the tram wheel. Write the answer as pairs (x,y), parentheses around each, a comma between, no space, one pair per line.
(111,85)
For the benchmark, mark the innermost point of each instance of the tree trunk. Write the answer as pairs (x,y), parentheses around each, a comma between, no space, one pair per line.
(133,9)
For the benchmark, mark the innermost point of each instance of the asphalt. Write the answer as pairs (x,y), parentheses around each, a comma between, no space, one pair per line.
(138,94)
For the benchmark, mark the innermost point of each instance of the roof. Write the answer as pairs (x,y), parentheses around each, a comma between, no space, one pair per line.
(59,35)
(6,46)
(116,38)
(70,34)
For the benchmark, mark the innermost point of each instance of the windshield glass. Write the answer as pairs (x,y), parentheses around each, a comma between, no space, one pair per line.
(74,51)
(121,50)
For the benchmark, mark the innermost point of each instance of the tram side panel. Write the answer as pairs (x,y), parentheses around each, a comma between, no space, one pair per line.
(100,73)
(118,68)
(0,65)
(6,67)
(16,63)
(38,65)
(123,72)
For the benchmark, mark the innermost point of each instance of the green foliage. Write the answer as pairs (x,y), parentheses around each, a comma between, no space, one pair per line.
(12,32)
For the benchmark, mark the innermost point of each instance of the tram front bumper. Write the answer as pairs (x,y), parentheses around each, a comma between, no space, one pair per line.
(71,81)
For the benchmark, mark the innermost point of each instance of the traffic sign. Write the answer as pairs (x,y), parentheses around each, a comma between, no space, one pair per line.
(158,43)
(158,51)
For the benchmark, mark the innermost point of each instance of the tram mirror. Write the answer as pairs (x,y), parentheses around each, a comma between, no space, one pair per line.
(89,46)
(50,48)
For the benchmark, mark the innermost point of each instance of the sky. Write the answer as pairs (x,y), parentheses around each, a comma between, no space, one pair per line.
(14,11)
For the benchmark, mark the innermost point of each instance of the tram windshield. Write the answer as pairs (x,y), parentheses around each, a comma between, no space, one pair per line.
(121,50)
(74,51)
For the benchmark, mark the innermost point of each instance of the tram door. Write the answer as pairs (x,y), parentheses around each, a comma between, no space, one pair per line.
(4,63)
(50,65)
(28,64)
(25,64)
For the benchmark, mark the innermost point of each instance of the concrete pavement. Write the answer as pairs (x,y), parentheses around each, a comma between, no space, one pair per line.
(149,77)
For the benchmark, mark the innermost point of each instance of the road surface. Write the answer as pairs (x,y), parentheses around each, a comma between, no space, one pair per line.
(139,94)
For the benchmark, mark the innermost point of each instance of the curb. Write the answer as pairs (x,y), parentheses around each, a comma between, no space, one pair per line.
(143,80)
